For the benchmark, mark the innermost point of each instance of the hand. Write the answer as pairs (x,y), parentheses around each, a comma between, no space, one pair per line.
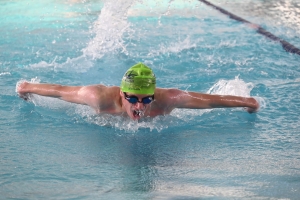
(21,90)
(253,109)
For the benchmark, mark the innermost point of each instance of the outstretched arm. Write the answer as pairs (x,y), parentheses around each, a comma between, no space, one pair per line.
(196,100)
(88,95)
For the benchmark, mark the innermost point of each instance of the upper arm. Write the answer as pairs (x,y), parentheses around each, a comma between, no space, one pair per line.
(193,100)
(175,98)
(183,99)
(87,95)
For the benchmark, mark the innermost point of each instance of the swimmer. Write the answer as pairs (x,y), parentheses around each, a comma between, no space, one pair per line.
(137,96)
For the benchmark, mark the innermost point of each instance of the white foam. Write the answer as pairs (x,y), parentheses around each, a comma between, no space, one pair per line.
(5,73)
(178,46)
(108,29)
(79,64)
(198,191)
(128,125)
(235,87)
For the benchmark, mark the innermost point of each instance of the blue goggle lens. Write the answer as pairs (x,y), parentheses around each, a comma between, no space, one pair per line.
(135,99)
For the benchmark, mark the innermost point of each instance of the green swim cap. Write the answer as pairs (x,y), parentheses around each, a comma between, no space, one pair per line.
(138,79)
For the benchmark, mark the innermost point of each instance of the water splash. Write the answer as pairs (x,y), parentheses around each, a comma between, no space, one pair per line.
(109,29)
(126,124)
(235,87)
(107,33)
(178,46)
(48,102)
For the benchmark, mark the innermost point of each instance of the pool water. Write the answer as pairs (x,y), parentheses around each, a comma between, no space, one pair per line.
(50,149)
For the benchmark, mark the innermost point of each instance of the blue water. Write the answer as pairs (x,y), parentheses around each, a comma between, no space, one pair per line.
(50,149)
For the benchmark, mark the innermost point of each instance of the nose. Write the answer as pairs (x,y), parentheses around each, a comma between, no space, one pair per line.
(139,105)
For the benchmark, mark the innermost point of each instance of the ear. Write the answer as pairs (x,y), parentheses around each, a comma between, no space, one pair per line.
(121,94)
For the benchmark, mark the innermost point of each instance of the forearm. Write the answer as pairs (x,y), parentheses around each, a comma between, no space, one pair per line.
(50,90)
(233,101)
(200,101)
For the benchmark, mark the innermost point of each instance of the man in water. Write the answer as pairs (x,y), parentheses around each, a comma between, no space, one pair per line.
(137,96)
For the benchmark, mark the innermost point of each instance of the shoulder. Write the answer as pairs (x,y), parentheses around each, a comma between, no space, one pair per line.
(98,89)
(168,93)
(169,97)
(100,97)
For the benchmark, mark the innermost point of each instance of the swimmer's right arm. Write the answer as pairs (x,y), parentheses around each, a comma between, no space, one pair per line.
(50,90)
(87,95)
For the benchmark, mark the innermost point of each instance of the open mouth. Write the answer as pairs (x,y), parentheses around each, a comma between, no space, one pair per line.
(138,113)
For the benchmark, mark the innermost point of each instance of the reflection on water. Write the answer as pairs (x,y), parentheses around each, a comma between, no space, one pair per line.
(278,12)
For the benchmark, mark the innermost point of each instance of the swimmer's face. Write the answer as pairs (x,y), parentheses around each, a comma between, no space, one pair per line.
(136,104)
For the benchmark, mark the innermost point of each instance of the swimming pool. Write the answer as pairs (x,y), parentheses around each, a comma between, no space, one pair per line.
(50,149)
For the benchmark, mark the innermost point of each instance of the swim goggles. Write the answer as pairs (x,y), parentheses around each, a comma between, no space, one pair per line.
(134,99)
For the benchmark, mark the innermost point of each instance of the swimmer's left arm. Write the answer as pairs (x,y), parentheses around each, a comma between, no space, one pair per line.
(194,100)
